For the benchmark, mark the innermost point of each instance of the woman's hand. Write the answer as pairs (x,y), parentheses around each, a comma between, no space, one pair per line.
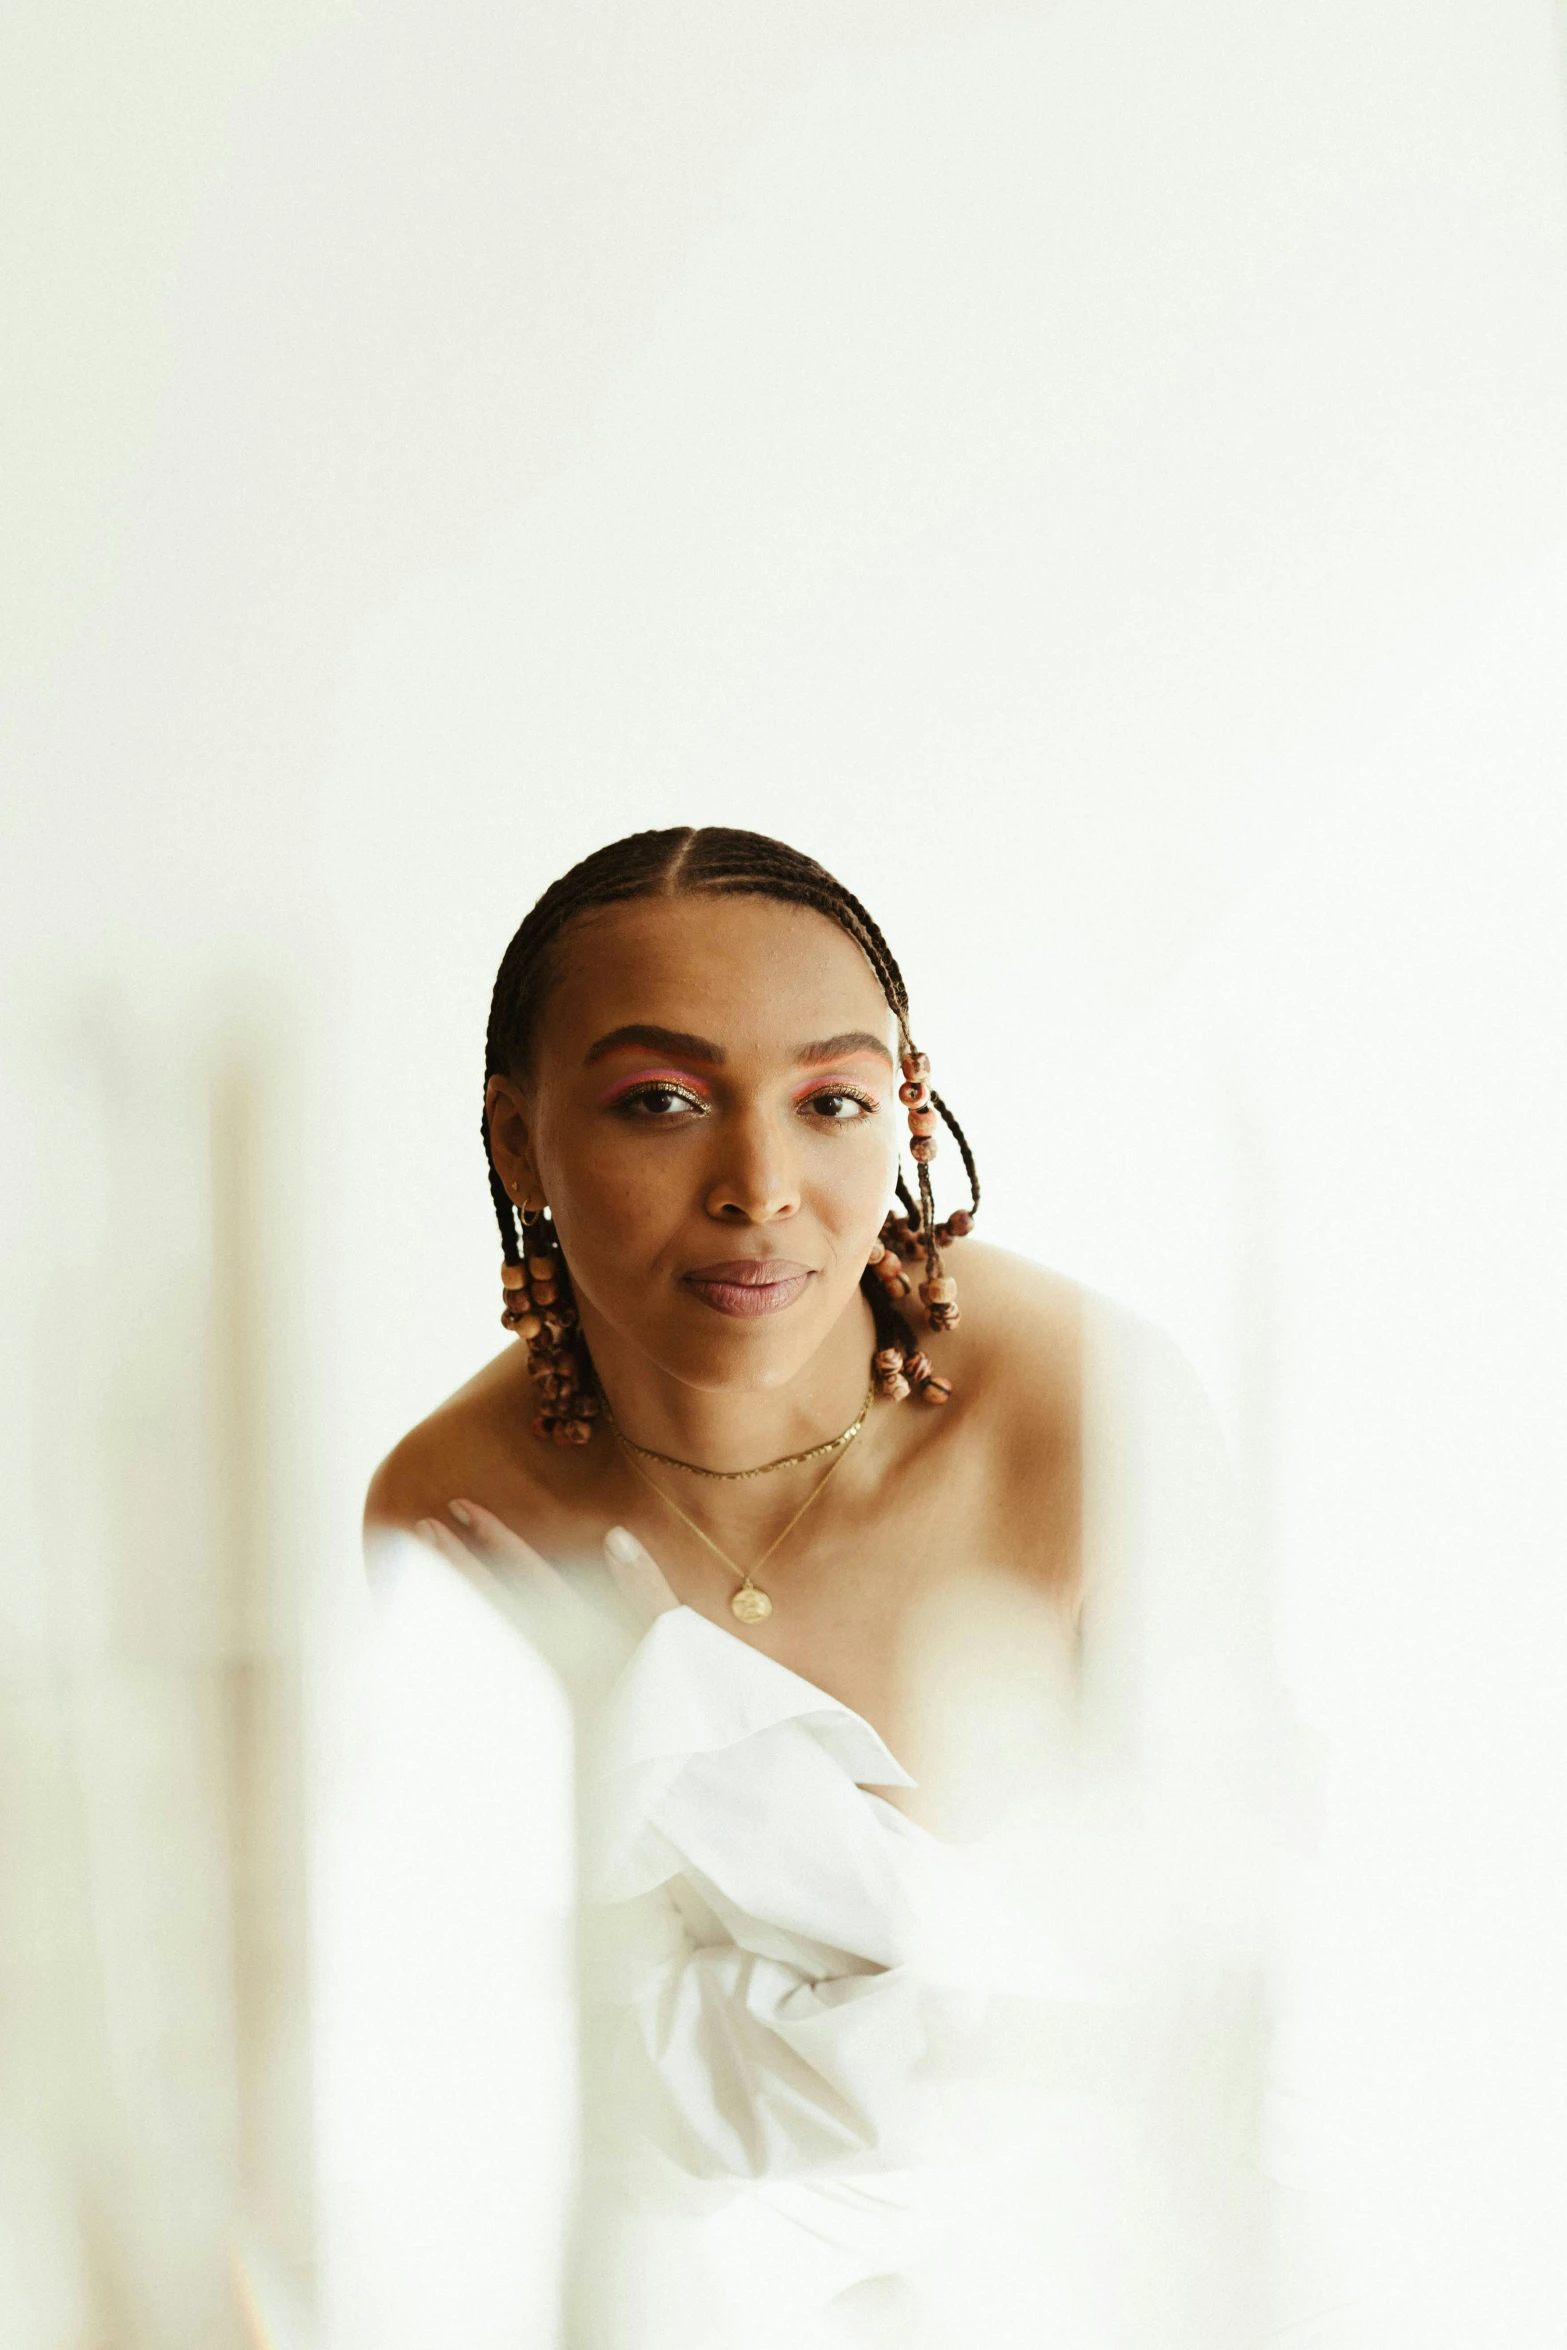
(575,1636)
(638,1575)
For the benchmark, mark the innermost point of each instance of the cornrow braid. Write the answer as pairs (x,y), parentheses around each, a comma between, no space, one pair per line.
(683,861)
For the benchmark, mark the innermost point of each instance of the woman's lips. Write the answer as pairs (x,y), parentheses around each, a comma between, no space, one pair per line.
(749,1286)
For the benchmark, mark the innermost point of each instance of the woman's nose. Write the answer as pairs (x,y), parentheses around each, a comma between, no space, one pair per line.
(756,1182)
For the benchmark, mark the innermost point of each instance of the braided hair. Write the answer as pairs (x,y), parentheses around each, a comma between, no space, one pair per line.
(714,859)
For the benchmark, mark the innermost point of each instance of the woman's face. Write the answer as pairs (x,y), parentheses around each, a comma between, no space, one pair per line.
(713,1120)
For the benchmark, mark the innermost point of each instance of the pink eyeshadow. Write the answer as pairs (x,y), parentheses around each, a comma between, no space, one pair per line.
(827,1078)
(624,1085)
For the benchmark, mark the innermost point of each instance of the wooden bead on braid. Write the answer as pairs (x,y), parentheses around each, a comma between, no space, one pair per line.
(517,1313)
(938,1293)
(544,1318)
(922,1377)
(888,1270)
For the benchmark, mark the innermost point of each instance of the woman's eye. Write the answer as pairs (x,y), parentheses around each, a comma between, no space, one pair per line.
(658,1101)
(840,1107)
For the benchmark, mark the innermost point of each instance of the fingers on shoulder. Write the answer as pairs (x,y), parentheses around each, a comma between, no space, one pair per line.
(491,1539)
(637,1574)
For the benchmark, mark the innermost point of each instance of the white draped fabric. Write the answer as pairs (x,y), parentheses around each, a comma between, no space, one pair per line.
(828,2052)
(754,1980)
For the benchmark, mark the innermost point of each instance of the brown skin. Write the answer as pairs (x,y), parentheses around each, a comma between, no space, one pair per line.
(691,1163)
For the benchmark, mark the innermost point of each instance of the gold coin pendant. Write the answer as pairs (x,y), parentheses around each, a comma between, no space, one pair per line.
(750,1605)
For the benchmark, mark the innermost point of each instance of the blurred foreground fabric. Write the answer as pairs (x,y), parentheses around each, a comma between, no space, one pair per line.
(847,2080)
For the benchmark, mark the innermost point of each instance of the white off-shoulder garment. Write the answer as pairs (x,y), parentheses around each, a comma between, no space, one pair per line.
(842,2082)
(753,1976)
(838,2068)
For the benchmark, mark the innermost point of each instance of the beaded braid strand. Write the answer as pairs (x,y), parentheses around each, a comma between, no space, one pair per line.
(908,1238)
(537,1307)
(680,862)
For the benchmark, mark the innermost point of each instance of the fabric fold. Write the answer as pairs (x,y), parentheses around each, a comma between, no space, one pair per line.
(691,1688)
(755,1915)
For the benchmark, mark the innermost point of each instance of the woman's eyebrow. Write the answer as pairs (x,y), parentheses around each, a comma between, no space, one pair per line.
(678,1044)
(841,1048)
(674,1043)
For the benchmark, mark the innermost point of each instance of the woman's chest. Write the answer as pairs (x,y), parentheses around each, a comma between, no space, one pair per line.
(892,1564)
(864,1610)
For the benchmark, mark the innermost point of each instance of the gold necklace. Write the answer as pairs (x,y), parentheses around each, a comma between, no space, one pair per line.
(791,1460)
(750,1604)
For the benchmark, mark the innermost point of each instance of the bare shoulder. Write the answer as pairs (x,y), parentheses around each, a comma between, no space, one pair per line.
(469,1445)
(1016,1364)
(1020,1340)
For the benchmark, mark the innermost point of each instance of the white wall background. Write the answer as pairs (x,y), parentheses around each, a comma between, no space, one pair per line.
(1090,472)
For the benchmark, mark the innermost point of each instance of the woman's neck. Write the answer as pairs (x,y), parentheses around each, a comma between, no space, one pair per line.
(736,1428)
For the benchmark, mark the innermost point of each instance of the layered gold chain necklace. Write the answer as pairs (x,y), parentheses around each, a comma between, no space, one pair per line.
(750,1603)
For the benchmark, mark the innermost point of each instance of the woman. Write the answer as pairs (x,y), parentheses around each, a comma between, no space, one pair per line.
(711,1137)
(693,1080)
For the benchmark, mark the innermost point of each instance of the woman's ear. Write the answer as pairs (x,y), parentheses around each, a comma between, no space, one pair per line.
(510,1127)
